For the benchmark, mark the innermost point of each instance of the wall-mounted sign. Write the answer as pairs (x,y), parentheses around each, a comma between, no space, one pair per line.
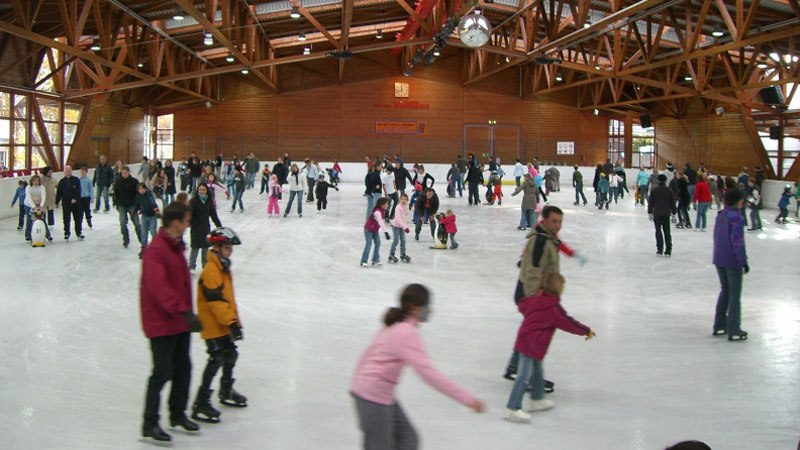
(403,105)
(565,148)
(404,127)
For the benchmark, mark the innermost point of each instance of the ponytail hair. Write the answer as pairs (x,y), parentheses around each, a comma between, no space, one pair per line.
(414,295)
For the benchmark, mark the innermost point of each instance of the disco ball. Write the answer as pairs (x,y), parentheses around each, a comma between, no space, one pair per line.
(474,30)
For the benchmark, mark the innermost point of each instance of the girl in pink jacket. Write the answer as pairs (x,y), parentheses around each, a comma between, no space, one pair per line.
(400,229)
(274,196)
(543,315)
(383,421)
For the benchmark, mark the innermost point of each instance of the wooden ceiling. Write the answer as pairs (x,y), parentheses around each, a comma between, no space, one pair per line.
(667,58)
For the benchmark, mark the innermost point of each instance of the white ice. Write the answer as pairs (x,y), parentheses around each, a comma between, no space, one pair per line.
(75,362)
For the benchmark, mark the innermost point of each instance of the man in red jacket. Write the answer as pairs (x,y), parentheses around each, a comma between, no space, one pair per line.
(165,292)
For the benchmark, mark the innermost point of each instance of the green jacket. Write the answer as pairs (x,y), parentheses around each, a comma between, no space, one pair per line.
(539,257)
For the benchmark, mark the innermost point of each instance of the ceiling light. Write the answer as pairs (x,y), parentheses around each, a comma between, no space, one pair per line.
(245,71)
(597,67)
(587,24)
(596,112)
(477,11)
(178,17)
(306,50)
(407,72)
(208,40)
(95,46)
(295,14)
(379,34)
(301,36)
(558,77)
(687,78)
(762,65)
(508,59)
(436,52)
(717,32)
(140,65)
(229,58)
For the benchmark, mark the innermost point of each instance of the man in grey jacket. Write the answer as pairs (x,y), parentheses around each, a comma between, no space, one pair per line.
(102,181)
(251,167)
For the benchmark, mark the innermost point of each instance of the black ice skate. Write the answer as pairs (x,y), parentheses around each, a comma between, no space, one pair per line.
(155,433)
(182,421)
(405,258)
(393,259)
(202,409)
(229,397)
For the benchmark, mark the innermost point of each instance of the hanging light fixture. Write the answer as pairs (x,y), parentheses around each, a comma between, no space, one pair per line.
(95,45)
(436,52)
(687,78)
(379,34)
(140,65)
(762,65)
(587,24)
(597,67)
(558,77)
(717,32)
(596,112)
(208,40)
(302,36)
(295,14)
(245,71)
(229,58)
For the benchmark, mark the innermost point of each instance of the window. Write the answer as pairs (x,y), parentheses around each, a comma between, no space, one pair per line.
(148,138)
(616,140)
(643,147)
(165,139)
(72,115)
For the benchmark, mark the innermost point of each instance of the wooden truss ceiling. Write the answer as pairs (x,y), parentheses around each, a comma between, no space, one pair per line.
(647,56)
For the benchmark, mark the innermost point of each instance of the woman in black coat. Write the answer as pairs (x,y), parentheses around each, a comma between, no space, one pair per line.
(169,171)
(426,208)
(203,210)
(597,171)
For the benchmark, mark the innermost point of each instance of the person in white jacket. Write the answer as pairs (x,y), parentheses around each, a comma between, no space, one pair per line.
(297,184)
(613,183)
(400,229)
(519,172)
(35,198)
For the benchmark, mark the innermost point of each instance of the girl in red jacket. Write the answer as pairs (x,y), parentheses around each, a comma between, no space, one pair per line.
(543,315)
(448,219)
(702,196)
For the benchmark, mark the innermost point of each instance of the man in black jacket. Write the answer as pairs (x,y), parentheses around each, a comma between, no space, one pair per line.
(69,190)
(475,179)
(400,176)
(374,187)
(426,208)
(660,206)
(102,180)
(125,199)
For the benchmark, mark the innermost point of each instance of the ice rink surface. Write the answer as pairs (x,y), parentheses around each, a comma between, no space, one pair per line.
(75,361)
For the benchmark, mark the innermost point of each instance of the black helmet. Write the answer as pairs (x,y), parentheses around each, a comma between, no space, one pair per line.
(224,236)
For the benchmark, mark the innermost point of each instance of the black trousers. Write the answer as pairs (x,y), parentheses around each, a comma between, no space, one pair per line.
(663,234)
(310,195)
(431,222)
(473,197)
(221,353)
(72,211)
(170,363)
(322,202)
(393,200)
(86,206)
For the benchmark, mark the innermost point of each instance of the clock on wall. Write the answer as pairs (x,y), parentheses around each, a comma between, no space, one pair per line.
(401,90)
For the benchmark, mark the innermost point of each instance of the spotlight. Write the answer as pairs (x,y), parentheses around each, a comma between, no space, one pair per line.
(140,65)
(596,112)
(306,50)
(95,46)
(208,40)
(178,17)
(245,71)
(687,78)
(229,58)
(407,72)
(508,59)
(295,14)
(717,32)
(436,52)
(587,24)
(379,34)
(597,67)
(302,36)
(558,77)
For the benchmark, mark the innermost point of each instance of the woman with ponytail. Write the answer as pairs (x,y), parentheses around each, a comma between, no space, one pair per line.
(382,420)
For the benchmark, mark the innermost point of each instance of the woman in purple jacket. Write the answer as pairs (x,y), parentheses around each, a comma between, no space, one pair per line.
(730,258)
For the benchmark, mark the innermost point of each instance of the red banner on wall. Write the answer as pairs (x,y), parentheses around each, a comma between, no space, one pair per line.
(405,127)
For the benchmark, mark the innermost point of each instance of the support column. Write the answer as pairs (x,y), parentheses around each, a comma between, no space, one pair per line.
(628,141)
(779,165)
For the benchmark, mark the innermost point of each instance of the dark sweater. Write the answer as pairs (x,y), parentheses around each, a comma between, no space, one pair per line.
(661,202)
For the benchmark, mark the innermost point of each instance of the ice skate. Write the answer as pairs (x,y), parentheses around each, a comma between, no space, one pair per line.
(229,397)
(405,259)
(740,336)
(202,409)
(393,259)
(183,422)
(518,416)
(376,264)
(511,373)
(155,433)
(364,265)
(540,405)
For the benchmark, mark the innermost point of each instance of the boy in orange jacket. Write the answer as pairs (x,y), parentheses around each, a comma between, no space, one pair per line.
(216,309)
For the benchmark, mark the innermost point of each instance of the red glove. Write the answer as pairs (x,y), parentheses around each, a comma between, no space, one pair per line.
(407,231)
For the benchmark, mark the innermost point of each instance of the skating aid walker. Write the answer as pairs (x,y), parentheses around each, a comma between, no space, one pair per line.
(39,231)
(441,236)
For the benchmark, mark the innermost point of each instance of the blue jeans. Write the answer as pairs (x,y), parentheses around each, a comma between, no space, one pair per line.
(460,186)
(579,192)
(516,180)
(755,219)
(530,371)
(237,197)
(101,191)
(292,195)
(691,190)
(23,212)
(399,237)
(149,227)
(527,218)
(728,316)
(371,199)
(251,180)
(168,198)
(371,238)
(452,239)
(124,213)
(642,194)
(702,209)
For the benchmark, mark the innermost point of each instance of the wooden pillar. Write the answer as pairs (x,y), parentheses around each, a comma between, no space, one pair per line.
(779,165)
(628,144)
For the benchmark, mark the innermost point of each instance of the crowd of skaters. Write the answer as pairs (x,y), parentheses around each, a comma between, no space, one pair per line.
(540,284)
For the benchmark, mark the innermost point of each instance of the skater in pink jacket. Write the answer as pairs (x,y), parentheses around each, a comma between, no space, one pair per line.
(399,230)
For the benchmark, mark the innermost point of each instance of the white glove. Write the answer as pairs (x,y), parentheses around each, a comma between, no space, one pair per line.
(581,259)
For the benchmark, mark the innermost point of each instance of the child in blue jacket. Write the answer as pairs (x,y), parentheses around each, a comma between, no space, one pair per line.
(783,204)
(19,196)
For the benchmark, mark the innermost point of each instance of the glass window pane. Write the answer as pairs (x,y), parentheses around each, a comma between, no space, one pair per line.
(165,151)
(165,121)
(50,109)
(5,104)
(20,106)
(72,112)
(69,133)
(65,149)
(20,158)
(20,132)
(53,132)
(38,158)
(5,131)
(4,155)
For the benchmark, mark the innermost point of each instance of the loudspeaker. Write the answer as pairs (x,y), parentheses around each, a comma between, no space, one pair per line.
(645,120)
(775,132)
(772,95)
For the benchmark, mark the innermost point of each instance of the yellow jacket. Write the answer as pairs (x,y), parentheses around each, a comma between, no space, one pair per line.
(216,306)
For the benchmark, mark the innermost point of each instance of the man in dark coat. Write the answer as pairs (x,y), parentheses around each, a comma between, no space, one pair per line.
(125,199)
(102,181)
(660,206)
(69,190)
(426,208)
(474,179)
